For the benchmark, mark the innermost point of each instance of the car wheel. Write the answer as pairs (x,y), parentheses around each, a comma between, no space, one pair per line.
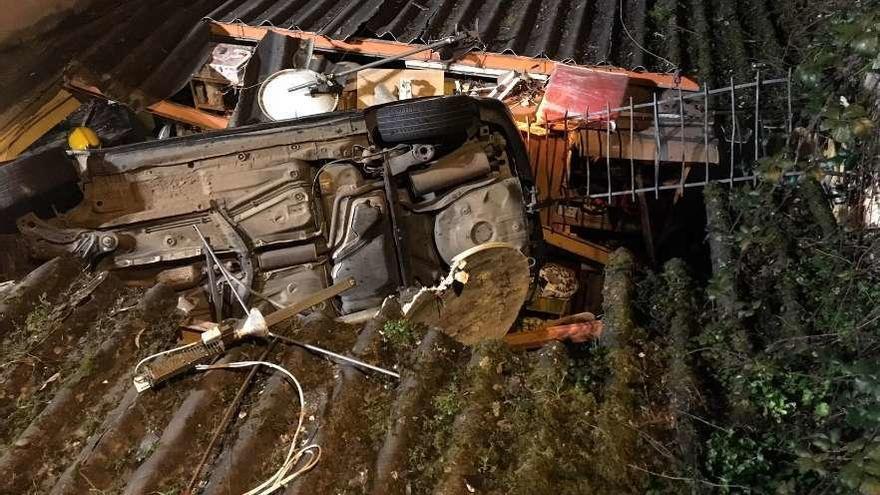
(424,120)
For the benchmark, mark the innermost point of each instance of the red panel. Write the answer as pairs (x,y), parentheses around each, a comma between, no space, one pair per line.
(578,90)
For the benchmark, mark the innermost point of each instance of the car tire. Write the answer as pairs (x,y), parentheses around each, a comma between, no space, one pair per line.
(32,176)
(425,120)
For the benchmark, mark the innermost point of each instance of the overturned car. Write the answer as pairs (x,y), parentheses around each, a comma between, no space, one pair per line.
(388,196)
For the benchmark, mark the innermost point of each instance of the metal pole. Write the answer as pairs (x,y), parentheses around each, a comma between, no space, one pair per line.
(757,119)
(333,355)
(670,187)
(566,166)
(563,181)
(396,230)
(789,117)
(588,151)
(529,145)
(681,120)
(706,129)
(632,161)
(608,147)
(732,128)
(657,150)
(553,160)
(223,271)
(437,44)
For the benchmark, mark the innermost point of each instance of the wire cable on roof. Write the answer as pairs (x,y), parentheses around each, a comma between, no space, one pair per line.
(294,455)
(162,353)
(649,52)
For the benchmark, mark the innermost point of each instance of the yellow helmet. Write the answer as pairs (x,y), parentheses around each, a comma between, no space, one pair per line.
(83,138)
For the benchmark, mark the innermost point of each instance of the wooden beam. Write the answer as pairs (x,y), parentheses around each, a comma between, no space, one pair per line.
(576,245)
(188,115)
(486,60)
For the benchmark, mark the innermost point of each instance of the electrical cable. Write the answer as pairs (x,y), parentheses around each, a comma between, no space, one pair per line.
(284,474)
(162,353)
(649,52)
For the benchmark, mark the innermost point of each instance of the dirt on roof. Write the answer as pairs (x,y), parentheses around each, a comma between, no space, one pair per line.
(482,419)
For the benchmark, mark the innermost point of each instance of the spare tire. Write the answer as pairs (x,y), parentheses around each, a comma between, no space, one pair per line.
(34,176)
(424,120)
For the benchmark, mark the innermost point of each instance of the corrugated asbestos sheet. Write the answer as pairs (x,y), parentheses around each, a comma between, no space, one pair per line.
(144,51)
(74,423)
(140,52)
(584,31)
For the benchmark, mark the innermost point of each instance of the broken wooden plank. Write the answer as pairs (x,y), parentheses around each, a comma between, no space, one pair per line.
(574,332)
(576,245)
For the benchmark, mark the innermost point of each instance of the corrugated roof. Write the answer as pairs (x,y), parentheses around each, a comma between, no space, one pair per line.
(138,53)
(584,31)
(74,424)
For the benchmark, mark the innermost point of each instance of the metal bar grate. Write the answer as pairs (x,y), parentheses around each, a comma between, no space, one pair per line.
(661,142)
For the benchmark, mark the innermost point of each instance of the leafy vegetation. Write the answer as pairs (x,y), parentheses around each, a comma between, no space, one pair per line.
(772,366)
(765,377)
(400,334)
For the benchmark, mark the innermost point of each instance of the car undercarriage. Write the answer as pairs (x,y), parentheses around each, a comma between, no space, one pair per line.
(388,197)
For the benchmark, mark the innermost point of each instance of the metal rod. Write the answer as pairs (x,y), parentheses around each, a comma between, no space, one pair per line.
(437,44)
(227,418)
(584,144)
(229,279)
(717,91)
(529,144)
(706,130)
(657,150)
(554,149)
(566,166)
(396,229)
(215,296)
(670,187)
(608,149)
(332,77)
(587,156)
(632,161)
(681,119)
(789,117)
(254,293)
(563,181)
(309,301)
(757,119)
(334,355)
(223,271)
(552,166)
(733,128)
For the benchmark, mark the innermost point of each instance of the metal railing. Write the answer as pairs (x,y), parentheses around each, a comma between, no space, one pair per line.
(736,161)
